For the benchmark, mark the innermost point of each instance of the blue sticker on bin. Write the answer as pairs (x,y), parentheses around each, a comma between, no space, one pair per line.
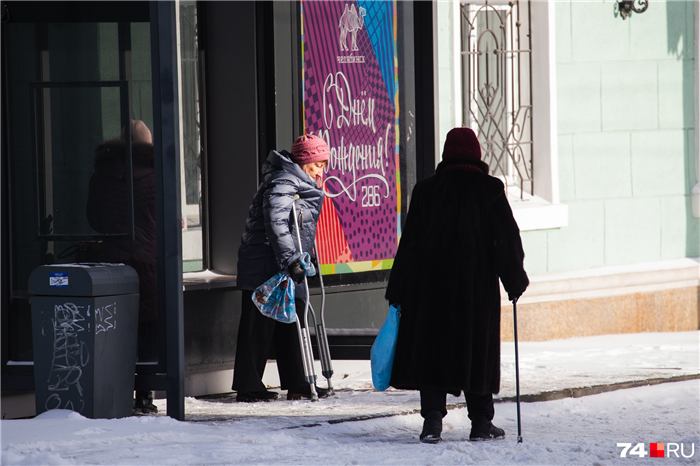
(58,279)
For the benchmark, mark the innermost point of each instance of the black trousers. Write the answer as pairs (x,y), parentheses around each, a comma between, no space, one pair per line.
(480,407)
(256,335)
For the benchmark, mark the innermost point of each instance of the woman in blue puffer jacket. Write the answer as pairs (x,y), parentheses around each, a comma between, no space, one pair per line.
(269,244)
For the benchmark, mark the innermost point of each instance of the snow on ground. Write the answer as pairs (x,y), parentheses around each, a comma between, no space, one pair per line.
(570,431)
(582,430)
(597,360)
(559,364)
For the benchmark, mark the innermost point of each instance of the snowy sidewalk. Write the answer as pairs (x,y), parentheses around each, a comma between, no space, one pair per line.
(548,370)
(584,430)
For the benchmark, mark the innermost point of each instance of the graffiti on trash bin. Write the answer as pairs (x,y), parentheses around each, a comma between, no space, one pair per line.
(70,355)
(71,328)
(105,318)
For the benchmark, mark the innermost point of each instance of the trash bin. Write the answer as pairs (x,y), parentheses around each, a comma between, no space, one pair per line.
(84,327)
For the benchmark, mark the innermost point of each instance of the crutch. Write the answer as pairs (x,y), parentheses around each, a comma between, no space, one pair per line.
(517,373)
(324,350)
(307,355)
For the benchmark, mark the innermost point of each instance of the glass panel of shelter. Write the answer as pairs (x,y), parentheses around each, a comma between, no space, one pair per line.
(64,123)
(71,87)
(190,142)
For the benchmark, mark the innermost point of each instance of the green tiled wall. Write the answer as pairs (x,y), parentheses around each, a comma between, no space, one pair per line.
(535,246)
(675,84)
(582,242)
(578,97)
(632,230)
(602,165)
(626,140)
(567,180)
(658,163)
(629,100)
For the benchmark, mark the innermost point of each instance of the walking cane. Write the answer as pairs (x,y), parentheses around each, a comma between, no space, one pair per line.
(307,355)
(517,374)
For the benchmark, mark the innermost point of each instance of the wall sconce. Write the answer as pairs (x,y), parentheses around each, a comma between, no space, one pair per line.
(626,7)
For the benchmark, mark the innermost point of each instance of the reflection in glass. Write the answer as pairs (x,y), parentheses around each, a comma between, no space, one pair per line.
(191,160)
(84,78)
(115,190)
(66,135)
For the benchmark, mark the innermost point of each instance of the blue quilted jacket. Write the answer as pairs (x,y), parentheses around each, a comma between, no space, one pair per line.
(269,243)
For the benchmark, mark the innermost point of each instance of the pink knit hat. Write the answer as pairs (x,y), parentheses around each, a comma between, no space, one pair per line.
(461,144)
(309,149)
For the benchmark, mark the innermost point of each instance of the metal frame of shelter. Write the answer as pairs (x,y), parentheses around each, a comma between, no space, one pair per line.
(170,371)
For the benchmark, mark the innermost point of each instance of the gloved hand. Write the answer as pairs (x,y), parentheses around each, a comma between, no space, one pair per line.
(296,271)
(514,296)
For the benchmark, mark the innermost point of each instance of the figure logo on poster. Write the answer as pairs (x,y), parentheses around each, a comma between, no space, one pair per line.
(351,22)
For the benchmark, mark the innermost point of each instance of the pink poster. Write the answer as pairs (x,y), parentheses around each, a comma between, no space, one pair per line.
(351,101)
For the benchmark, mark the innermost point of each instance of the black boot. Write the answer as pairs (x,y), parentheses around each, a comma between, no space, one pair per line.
(432,427)
(143,404)
(486,431)
(305,392)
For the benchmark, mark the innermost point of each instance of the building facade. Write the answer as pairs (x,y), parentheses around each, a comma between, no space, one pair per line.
(610,228)
(590,119)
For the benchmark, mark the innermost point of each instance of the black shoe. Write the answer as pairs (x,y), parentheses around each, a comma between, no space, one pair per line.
(262,395)
(486,432)
(143,403)
(305,392)
(432,427)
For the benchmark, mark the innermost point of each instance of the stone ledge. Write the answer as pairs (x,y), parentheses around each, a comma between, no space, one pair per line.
(672,310)
(611,281)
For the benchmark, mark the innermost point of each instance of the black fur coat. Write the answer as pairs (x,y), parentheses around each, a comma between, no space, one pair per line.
(460,237)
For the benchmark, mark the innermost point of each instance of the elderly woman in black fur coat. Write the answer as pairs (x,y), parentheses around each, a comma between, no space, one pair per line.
(460,237)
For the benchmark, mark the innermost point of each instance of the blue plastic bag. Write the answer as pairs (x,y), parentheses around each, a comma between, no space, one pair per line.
(384,348)
(275,298)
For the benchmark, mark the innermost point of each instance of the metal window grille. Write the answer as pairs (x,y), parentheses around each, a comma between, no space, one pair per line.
(496,67)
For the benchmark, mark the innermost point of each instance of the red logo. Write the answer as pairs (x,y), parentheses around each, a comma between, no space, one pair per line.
(656,450)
